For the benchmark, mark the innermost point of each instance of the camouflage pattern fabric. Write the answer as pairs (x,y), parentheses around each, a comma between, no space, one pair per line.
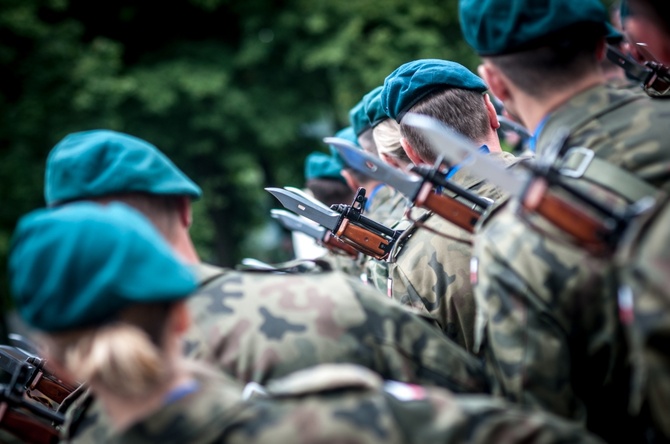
(344,404)
(644,283)
(546,309)
(387,206)
(432,273)
(261,326)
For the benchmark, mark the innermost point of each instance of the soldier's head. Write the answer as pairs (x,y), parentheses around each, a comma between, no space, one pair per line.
(361,124)
(106,166)
(387,137)
(446,91)
(648,22)
(323,175)
(536,48)
(105,290)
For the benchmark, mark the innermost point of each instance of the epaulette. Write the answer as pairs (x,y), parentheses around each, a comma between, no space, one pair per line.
(297,266)
(325,378)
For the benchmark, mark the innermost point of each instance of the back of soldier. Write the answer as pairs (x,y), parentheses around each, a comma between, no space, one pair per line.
(644,305)
(341,403)
(259,326)
(548,307)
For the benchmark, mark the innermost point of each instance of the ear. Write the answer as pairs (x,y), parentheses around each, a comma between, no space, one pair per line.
(180,318)
(411,152)
(493,115)
(497,83)
(390,160)
(351,181)
(185,211)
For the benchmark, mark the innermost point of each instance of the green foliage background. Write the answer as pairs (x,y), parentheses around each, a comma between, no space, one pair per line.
(237,93)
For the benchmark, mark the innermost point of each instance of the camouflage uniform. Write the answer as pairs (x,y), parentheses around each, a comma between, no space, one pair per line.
(387,206)
(432,273)
(344,404)
(642,264)
(387,209)
(261,326)
(545,307)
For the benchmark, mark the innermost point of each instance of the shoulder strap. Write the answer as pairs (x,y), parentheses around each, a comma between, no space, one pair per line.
(582,163)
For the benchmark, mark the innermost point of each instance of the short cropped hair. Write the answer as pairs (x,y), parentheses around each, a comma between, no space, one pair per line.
(330,191)
(464,110)
(566,58)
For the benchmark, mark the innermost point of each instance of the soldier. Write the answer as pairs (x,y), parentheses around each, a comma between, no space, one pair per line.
(642,266)
(386,205)
(257,326)
(430,271)
(109,298)
(324,181)
(548,322)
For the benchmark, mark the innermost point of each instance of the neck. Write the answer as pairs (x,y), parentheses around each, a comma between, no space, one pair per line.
(532,110)
(492,142)
(123,412)
(182,244)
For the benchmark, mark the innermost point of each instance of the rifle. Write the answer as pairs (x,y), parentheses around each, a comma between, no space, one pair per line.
(346,222)
(419,188)
(654,77)
(37,375)
(534,187)
(323,237)
(15,419)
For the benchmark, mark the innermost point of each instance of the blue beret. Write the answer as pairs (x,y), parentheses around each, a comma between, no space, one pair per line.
(101,162)
(413,81)
(322,166)
(372,102)
(358,119)
(494,27)
(79,265)
(346,134)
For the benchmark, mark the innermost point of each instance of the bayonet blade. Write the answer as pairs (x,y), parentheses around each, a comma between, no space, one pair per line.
(460,150)
(294,222)
(407,184)
(310,198)
(299,205)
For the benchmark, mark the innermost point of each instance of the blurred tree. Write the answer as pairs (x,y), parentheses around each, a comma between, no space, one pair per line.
(236,93)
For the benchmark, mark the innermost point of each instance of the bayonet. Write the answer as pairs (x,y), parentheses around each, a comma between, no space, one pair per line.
(362,233)
(531,186)
(322,236)
(418,188)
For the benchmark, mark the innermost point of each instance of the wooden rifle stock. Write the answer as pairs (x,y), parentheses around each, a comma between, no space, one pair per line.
(448,208)
(25,427)
(51,387)
(586,229)
(365,241)
(333,243)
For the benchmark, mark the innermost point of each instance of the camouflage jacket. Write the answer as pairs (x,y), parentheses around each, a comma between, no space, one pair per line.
(547,314)
(259,326)
(387,206)
(644,306)
(345,404)
(431,272)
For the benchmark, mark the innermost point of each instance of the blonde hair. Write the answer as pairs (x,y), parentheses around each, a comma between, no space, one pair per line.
(387,137)
(125,356)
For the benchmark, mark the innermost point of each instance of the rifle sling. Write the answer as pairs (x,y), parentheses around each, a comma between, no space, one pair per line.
(599,171)
(606,175)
